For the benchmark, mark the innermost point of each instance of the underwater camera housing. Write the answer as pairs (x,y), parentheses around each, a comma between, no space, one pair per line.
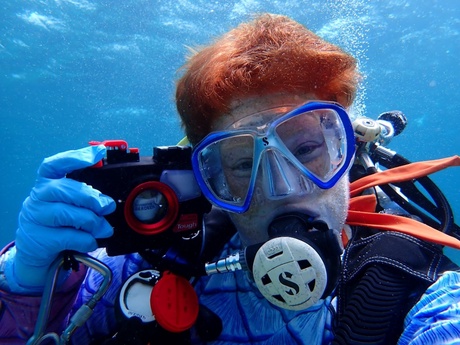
(158,199)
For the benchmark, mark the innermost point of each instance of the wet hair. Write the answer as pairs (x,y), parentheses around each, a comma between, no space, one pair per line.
(269,54)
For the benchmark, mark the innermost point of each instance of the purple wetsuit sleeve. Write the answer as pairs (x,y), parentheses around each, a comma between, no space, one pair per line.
(18,313)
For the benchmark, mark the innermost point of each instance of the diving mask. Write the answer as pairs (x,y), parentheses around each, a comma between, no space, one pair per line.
(310,145)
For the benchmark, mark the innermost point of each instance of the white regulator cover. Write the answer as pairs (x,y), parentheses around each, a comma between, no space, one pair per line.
(366,130)
(289,273)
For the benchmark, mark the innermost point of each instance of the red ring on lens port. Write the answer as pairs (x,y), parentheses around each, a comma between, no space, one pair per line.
(165,222)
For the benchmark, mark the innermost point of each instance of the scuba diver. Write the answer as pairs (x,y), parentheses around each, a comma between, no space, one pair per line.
(311,231)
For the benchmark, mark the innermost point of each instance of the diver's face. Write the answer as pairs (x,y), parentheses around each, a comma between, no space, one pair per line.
(329,205)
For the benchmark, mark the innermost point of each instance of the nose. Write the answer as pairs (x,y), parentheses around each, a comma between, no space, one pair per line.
(280,178)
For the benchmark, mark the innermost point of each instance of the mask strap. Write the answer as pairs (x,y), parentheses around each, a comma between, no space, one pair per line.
(362,207)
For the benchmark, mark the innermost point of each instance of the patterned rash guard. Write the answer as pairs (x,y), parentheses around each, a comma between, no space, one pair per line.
(247,317)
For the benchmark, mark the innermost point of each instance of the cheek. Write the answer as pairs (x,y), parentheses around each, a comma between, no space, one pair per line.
(238,187)
(320,166)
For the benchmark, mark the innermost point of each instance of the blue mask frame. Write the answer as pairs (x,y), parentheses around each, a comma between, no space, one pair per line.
(261,145)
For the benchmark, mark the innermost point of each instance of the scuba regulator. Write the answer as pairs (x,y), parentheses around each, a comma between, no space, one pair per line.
(296,267)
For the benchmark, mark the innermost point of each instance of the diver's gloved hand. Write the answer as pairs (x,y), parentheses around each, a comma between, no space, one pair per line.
(59,214)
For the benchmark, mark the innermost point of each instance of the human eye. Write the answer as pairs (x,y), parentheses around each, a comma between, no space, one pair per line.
(237,156)
(238,162)
(241,167)
(307,151)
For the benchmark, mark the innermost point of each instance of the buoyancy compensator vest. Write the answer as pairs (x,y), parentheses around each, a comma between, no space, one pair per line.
(384,273)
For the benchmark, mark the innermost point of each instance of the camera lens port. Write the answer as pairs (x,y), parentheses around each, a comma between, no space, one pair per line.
(151,208)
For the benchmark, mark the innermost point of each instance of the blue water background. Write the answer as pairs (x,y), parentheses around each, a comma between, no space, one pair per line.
(78,70)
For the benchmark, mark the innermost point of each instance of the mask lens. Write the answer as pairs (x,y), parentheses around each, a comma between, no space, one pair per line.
(226,166)
(316,141)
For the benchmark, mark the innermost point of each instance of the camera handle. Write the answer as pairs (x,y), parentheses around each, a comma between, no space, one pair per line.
(83,313)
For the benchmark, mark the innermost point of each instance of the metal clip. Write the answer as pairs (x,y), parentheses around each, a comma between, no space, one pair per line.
(83,313)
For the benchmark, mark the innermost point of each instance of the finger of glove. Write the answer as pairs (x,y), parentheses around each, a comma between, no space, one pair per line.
(57,215)
(72,192)
(59,165)
(39,247)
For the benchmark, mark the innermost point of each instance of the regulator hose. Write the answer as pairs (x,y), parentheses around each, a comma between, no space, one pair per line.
(436,212)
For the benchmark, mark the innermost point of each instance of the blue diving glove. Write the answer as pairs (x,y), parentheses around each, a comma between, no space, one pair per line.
(59,214)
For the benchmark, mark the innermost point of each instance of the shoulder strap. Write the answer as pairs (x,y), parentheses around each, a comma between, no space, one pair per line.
(362,207)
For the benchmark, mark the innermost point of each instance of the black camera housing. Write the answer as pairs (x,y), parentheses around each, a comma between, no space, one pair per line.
(159,203)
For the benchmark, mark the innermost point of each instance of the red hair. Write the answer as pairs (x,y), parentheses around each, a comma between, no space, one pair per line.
(269,54)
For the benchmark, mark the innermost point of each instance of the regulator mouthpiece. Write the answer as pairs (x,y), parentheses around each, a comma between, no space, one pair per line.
(295,268)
